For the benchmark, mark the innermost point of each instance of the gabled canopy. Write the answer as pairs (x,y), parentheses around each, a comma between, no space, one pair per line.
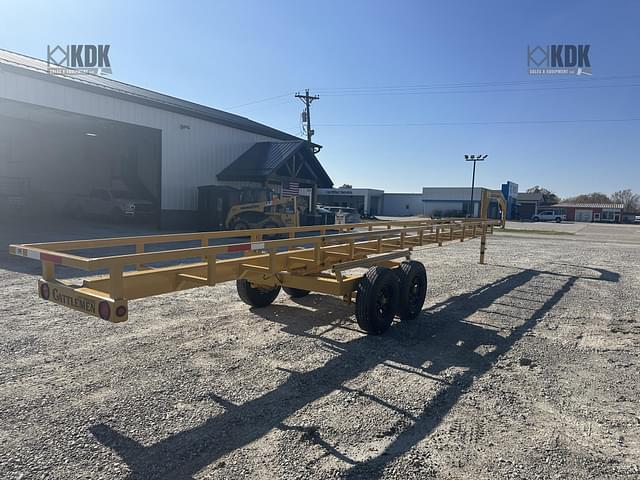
(266,160)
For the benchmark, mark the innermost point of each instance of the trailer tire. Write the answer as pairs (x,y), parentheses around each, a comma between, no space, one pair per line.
(295,292)
(377,300)
(255,295)
(412,277)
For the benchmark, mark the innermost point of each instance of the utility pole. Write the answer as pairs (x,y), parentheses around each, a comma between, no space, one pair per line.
(307,99)
(474,159)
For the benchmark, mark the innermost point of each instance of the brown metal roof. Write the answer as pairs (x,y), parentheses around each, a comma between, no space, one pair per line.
(618,206)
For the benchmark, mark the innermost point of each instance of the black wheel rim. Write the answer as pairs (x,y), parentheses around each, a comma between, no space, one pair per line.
(384,301)
(415,293)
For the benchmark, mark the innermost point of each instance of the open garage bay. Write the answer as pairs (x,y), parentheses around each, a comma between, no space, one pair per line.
(55,163)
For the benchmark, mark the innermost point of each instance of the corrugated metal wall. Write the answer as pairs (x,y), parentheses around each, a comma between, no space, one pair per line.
(456,194)
(190,156)
(402,204)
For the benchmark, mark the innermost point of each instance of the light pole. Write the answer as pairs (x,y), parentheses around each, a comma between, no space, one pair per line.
(474,159)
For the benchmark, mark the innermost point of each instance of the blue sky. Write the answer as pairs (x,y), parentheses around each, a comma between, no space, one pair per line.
(225,54)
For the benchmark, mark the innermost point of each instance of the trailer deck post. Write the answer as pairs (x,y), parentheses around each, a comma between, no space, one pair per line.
(48,271)
(116,282)
(484,207)
(139,249)
(211,270)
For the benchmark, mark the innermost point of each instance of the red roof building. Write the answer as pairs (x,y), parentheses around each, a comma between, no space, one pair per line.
(591,212)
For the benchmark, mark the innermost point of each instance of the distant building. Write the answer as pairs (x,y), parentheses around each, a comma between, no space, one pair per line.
(591,212)
(432,202)
(528,204)
(437,202)
(366,201)
(403,204)
(455,202)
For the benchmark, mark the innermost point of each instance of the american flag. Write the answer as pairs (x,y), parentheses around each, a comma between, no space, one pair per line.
(290,189)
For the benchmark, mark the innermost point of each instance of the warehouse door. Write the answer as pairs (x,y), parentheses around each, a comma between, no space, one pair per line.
(59,158)
(583,215)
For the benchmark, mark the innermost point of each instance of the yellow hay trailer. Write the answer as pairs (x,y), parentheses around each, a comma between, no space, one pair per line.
(308,259)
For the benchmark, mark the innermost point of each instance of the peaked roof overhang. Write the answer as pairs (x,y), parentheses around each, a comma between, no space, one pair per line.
(290,159)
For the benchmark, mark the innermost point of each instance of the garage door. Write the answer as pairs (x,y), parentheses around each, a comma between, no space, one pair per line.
(59,158)
(584,215)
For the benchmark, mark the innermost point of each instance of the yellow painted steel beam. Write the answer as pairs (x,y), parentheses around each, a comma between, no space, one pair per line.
(140,284)
(298,262)
(140,241)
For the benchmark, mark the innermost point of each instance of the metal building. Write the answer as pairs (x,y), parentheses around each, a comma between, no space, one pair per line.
(528,204)
(366,201)
(591,212)
(451,201)
(66,135)
(434,202)
(403,204)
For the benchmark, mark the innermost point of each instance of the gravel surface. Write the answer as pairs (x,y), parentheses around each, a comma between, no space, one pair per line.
(523,368)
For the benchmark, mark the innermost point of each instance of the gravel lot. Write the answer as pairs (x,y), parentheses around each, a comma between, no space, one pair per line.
(523,368)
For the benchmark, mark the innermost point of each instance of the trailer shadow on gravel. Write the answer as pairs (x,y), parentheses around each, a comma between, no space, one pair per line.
(435,338)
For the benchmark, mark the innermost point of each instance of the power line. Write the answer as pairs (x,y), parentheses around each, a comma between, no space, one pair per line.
(266,107)
(261,101)
(555,80)
(414,89)
(504,90)
(500,122)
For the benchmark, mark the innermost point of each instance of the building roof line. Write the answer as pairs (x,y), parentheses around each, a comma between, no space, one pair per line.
(263,159)
(588,205)
(34,67)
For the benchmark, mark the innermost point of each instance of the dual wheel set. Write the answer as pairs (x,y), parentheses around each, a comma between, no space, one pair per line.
(382,294)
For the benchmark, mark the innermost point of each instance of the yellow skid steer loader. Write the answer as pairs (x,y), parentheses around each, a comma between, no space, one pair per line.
(270,214)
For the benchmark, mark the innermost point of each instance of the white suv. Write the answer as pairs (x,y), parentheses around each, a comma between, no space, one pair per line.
(548,216)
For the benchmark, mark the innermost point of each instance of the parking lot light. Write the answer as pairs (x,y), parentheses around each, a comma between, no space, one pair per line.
(474,159)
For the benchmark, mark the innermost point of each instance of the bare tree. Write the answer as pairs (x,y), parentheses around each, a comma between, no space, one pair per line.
(630,200)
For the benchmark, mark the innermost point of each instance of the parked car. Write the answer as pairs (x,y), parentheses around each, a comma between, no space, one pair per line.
(326,216)
(351,215)
(637,220)
(117,204)
(548,216)
(322,210)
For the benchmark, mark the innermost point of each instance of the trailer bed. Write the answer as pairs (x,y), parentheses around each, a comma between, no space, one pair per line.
(324,259)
